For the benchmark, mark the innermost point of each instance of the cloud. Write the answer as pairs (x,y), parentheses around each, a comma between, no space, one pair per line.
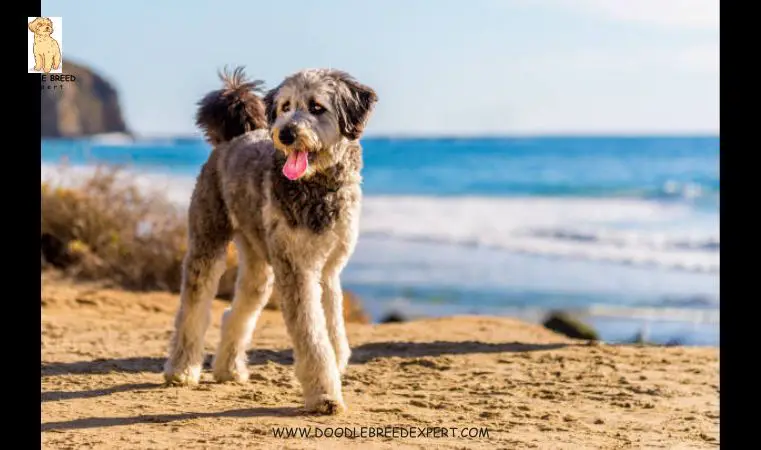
(704,58)
(693,14)
(596,62)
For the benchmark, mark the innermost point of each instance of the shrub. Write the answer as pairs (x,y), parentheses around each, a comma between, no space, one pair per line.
(104,228)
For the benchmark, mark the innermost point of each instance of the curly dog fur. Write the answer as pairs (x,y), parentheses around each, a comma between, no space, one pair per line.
(283,182)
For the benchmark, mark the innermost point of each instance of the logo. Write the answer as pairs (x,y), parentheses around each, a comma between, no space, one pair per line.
(45,45)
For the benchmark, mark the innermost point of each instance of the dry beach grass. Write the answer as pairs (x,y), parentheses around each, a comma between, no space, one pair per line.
(107,228)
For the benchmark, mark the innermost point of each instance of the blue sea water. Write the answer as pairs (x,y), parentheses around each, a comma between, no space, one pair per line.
(622,230)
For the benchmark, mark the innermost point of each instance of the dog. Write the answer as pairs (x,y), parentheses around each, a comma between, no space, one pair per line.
(47,52)
(283,183)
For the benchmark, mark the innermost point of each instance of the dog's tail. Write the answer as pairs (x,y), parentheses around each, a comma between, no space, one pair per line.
(233,110)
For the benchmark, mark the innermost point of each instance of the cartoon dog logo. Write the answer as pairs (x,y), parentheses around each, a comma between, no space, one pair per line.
(47,52)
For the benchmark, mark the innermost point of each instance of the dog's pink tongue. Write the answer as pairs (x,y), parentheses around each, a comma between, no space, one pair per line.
(296,165)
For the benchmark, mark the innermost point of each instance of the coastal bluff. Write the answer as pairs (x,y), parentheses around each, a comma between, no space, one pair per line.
(87,106)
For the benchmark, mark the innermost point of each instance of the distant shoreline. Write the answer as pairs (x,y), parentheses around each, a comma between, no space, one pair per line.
(528,136)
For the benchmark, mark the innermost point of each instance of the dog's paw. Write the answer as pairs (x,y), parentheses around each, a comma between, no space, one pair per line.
(343,362)
(188,377)
(227,367)
(226,375)
(325,405)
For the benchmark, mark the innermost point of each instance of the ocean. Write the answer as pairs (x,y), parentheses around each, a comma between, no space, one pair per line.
(622,231)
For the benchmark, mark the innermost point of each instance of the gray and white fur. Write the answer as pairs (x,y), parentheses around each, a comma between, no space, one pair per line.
(293,237)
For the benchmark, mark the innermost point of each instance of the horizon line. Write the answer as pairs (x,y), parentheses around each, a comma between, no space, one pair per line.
(506,135)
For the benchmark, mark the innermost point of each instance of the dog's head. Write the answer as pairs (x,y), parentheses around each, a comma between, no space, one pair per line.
(41,26)
(312,113)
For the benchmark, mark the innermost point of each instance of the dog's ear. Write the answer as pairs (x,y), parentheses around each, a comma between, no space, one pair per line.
(270,108)
(34,24)
(354,103)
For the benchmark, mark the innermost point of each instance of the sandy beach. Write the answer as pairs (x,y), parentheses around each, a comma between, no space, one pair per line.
(534,260)
(459,382)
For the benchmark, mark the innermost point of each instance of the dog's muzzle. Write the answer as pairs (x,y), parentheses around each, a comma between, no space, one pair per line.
(287,135)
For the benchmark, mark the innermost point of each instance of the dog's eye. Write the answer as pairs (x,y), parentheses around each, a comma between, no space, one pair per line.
(316,108)
(286,107)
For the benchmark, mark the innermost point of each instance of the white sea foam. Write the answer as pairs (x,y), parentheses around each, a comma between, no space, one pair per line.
(176,189)
(694,315)
(627,231)
(574,228)
(113,139)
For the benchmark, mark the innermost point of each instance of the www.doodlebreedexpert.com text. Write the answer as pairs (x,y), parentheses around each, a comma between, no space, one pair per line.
(381,432)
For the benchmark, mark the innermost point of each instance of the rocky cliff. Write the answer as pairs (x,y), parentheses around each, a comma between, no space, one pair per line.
(87,106)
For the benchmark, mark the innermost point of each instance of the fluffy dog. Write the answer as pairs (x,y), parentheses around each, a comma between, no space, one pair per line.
(47,52)
(283,182)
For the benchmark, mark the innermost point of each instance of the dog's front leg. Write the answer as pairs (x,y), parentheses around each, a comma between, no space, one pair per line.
(38,61)
(314,358)
(46,63)
(332,302)
(252,291)
(56,60)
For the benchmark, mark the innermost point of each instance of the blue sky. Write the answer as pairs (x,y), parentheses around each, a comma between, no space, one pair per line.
(440,67)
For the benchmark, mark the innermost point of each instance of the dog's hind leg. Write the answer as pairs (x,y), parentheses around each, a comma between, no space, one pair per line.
(253,288)
(314,357)
(209,234)
(201,273)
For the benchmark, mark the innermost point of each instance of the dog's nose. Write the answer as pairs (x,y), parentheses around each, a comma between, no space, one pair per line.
(287,136)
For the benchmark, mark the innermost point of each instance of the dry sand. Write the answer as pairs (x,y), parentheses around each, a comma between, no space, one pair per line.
(103,349)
